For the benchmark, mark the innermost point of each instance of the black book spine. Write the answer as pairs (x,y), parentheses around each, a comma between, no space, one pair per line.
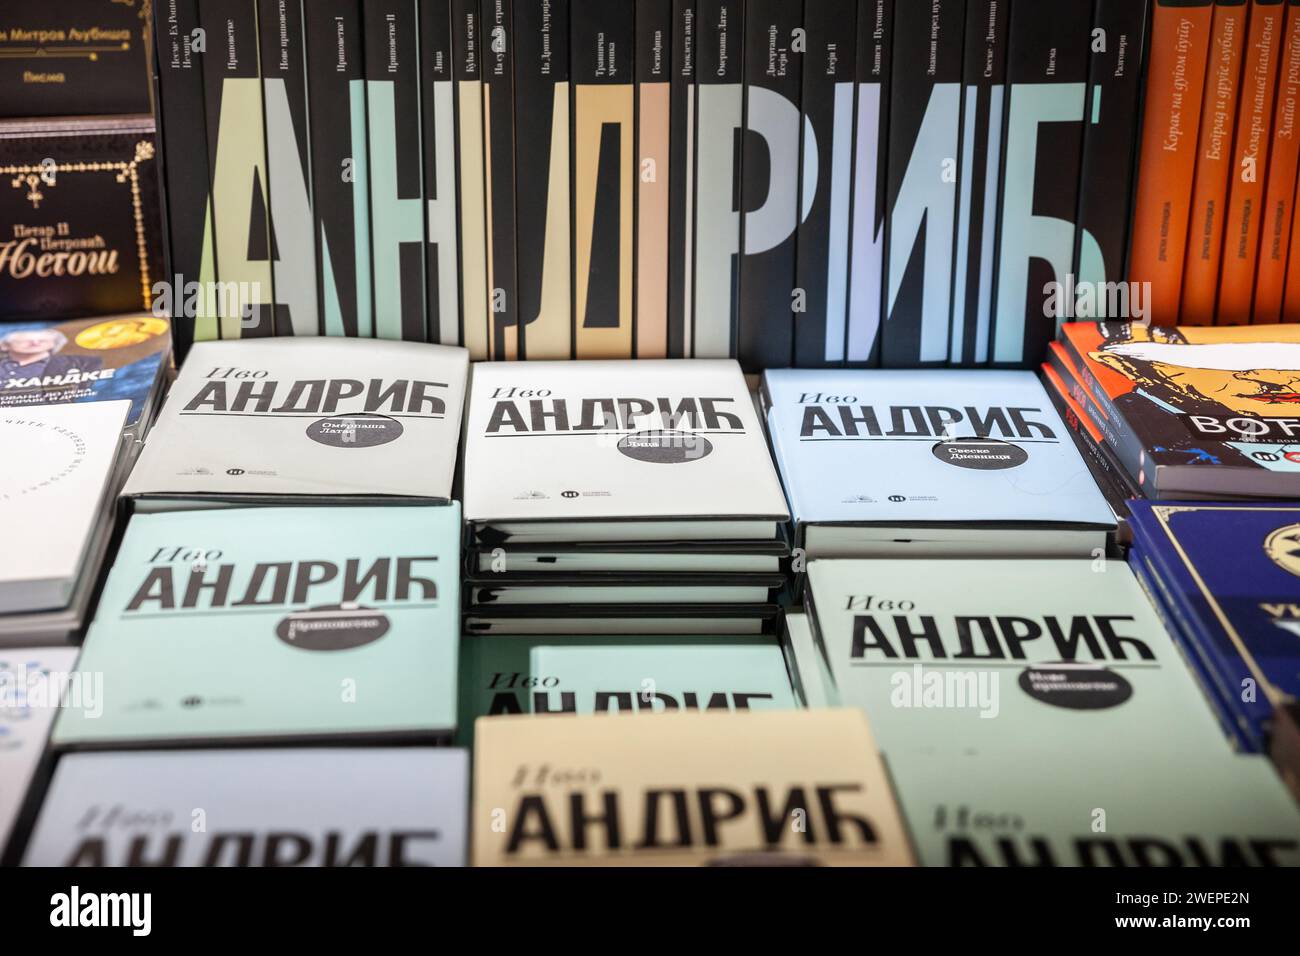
(183,135)
(924,131)
(681,180)
(392,65)
(499,167)
(983,100)
(437,106)
(1110,138)
(603,116)
(542,206)
(232,89)
(467,49)
(654,29)
(822,272)
(336,97)
(869,199)
(288,159)
(718,154)
(1047,49)
(770,188)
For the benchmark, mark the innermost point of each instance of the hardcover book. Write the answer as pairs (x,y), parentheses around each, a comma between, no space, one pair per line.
(826,151)
(946,658)
(276,624)
(1278,206)
(1210,410)
(1175,83)
(647,449)
(733,783)
(322,417)
(808,668)
(1059,808)
(542,198)
(654,29)
(396,166)
(288,165)
(499,169)
(467,50)
(602,38)
(685,619)
(438,130)
(622,587)
(33,684)
(943,462)
(681,182)
(769,192)
(921,221)
(59,467)
(340,178)
(392,807)
(1228,573)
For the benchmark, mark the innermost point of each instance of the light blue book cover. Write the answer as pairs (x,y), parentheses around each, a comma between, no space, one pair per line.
(276,624)
(943,445)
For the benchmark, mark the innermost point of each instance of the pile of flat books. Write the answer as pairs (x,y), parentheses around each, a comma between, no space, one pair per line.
(1035,712)
(1186,412)
(619,497)
(930,463)
(75,399)
(1226,579)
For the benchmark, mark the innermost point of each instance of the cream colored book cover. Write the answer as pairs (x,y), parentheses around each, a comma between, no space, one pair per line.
(792,788)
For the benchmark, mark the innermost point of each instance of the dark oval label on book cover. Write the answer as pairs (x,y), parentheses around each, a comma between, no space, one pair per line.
(665,447)
(332,627)
(1075,688)
(981,454)
(359,430)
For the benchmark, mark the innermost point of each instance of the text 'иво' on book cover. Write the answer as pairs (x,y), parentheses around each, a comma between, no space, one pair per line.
(1179,49)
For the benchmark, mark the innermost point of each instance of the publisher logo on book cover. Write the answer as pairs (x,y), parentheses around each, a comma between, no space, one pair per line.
(1283,546)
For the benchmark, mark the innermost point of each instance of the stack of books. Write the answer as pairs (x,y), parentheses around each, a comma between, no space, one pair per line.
(75,399)
(619,497)
(1225,577)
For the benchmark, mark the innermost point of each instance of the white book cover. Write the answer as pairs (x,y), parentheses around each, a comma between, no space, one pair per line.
(943,446)
(32,683)
(319,807)
(297,416)
(58,460)
(645,439)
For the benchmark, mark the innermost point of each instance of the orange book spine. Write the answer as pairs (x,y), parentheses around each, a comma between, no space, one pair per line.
(1180,44)
(1213,163)
(1279,192)
(1250,162)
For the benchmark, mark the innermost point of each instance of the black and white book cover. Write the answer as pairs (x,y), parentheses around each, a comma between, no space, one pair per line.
(392,54)
(924,139)
(240,229)
(499,170)
(438,111)
(288,166)
(542,202)
(826,181)
(983,99)
(681,181)
(336,98)
(1047,72)
(59,463)
(652,448)
(405,806)
(769,195)
(307,417)
(720,51)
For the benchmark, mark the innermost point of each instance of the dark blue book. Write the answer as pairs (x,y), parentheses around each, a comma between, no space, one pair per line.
(1230,577)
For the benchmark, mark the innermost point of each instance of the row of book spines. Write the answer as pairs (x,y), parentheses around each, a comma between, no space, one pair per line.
(1214,217)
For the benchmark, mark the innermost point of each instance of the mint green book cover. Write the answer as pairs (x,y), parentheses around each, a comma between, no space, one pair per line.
(257,624)
(955,656)
(586,675)
(1064,808)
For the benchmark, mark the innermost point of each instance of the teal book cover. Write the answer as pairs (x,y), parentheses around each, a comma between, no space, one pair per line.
(975,656)
(276,624)
(1064,808)
(633,673)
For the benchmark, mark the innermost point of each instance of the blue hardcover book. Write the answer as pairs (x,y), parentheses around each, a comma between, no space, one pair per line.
(1230,576)
(276,624)
(937,463)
